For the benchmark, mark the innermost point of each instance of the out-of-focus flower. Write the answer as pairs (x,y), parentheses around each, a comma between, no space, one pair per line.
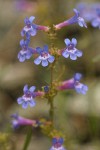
(75,19)
(24,5)
(74,83)
(71,51)
(90,12)
(44,56)
(26,51)
(96,20)
(18,121)
(28,97)
(57,144)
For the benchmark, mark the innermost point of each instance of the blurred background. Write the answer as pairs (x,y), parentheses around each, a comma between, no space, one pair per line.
(78,115)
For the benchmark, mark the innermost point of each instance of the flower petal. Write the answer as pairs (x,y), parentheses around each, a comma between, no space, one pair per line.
(67,41)
(78,53)
(39,50)
(65,54)
(25,105)
(32,89)
(76,12)
(46,48)
(51,59)
(33,32)
(73,57)
(28,55)
(37,61)
(25,89)
(22,32)
(21,57)
(20,100)
(44,63)
(77,76)
(31,19)
(22,43)
(32,103)
(95,23)
(74,41)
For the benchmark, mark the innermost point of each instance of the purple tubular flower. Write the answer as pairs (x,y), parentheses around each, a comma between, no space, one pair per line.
(30,29)
(26,51)
(71,51)
(75,19)
(74,83)
(57,144)
(20,121)
(44,56)
(78,19)
(28,97)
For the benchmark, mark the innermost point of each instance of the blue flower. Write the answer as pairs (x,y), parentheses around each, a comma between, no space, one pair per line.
(74,83)
(30,29)
(26,51)
(28,97)
(96,20)
(44,56)
(79,87)
(77,19)
(91,13)
(57,144)
(21,121)
(71,51)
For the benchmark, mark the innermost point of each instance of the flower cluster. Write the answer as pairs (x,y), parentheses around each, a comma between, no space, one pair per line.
(44,56)
(91,13)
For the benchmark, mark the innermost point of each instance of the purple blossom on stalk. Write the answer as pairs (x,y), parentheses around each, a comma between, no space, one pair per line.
(71,51)
(30,29)
(74,83)
(20,121)
(26,51)
(28,97)
(78,19)
(44,56)
(57,144)
(75,19)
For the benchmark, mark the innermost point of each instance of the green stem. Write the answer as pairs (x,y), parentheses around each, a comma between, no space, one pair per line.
(28,139)
(51,111)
